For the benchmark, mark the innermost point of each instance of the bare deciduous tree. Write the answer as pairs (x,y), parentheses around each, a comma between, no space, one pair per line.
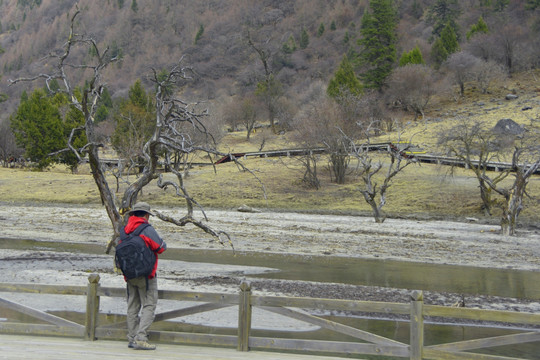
(172,116)
(486,72)
(525,163)
(461,66)
(477,146)
(412,87)
(242,111)
(373,190)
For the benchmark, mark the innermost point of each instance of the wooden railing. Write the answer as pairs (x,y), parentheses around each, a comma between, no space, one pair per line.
(367,343)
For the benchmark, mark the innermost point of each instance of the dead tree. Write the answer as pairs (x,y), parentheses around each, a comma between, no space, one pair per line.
(168,138)
(373,191)
(522,170)
(477,146)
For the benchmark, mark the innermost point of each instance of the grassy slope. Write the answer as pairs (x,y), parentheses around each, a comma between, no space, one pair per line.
(419,191)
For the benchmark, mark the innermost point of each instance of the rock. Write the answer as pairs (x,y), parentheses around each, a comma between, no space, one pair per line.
(508,127)
(247,209)
(526,108)
(511,97)
(471,219)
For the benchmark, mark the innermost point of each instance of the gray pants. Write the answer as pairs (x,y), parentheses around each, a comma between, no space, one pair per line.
(141,300)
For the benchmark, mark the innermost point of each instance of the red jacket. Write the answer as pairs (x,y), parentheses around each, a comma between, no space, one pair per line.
(150,237)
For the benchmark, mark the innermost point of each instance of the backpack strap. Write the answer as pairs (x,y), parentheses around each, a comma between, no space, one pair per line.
(136,232)
(140,229)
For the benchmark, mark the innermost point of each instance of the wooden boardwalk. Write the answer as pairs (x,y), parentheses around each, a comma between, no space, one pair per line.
(63,348)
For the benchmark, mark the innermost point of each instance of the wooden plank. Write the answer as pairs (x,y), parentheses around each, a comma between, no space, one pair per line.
(334,326)
(489,342)
(175,313)
(173,337)
(40,329)
(332,304)
(417,326)
(92,307)
(336,347)
(177,295)
(232,299)
(43,289)
(244,317)
(483,315)
(112,292)
(40,314)
(443,355)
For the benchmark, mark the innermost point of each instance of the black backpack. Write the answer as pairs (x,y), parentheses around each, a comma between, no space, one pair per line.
(132,255)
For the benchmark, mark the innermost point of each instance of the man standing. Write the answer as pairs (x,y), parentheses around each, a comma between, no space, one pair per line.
(142,291)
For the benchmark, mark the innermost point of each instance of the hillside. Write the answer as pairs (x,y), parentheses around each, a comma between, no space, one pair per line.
(212,37)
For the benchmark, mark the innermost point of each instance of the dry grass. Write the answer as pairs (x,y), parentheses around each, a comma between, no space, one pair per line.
(422,191)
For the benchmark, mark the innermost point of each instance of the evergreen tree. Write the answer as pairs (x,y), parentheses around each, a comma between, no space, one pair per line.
(37,126)
(378,42)
(199,34)
(73,119)
(532,4)
(500,5)
(333,25)
(443,12)
(320,30)
(438,52)
(346,38)
(289,46)
(134,6)
(344,81)
(412,57)
(449,39)
(304,39)
(134,122)
(105,104)
(479,27)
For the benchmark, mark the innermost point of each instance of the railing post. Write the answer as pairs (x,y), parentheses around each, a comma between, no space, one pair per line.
(92,307)
(417,326)
(244,316)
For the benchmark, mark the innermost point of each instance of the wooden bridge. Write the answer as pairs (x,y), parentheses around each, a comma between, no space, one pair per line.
(408,151)
(355,341)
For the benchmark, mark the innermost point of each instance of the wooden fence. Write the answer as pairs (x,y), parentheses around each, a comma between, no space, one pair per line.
(366,343)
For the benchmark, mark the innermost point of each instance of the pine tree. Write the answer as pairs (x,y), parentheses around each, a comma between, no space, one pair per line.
(304,39)
(438,52)
(412,57)
(449,39)
(344,81)
(443,12)
(320,30)
(378,42)
(479,27)
(37,126)
(532,4)
(289,46)
(134,6)
(199,34)
(333,25)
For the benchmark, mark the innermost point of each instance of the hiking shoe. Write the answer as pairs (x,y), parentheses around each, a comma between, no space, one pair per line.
(131,345)
(143,345)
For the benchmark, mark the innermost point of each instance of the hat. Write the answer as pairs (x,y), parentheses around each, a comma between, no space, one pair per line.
(141,206)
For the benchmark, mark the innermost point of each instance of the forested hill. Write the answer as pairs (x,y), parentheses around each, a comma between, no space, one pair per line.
(304,40)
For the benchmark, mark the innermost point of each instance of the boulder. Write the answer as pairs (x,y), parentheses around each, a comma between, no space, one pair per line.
(511,97)
(508,127)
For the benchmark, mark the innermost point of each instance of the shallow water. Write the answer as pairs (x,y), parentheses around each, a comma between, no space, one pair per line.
(370,272)
(384,273)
